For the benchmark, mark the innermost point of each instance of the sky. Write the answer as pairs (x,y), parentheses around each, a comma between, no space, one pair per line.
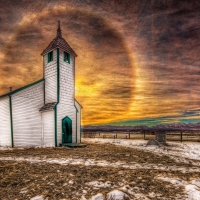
(137,59)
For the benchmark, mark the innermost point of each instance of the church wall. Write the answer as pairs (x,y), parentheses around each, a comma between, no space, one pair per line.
(78,122)
(50,75)
(27,122)
(48,128)
(66,105)
(5,125)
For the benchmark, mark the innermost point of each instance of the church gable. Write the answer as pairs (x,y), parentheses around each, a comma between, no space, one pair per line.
(22,88)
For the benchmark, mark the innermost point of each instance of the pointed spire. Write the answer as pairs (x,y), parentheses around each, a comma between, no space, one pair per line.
(59,42)
(59,32)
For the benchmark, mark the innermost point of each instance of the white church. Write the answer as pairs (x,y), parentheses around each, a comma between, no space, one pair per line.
(44,113)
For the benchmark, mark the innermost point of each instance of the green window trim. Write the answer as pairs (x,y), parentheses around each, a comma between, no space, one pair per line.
(11,121)
(66,57)
(50,56)
(58,99)
(76,122)
(55,121)
(58,75)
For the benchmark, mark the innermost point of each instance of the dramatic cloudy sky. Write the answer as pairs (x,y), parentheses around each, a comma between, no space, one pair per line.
(138,60)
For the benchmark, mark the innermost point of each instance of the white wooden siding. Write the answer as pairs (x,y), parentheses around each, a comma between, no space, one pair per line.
(66,105)
(5,126)
(50,75)
(27,122)
(78,121)
(48,131)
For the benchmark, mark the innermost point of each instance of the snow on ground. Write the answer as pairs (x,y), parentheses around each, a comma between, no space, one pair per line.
(177,151)
(193,192)
(99,196)
(101,163)
(180,152)
(5,148)
(117,195)
(37,198)
(100,184)
(192,189)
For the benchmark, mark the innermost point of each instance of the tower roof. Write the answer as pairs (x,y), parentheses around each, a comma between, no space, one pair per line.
(59,42)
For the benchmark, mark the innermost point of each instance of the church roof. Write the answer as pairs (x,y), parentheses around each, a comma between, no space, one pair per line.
(48,106)
(22,88)
(59,42)
(78,103)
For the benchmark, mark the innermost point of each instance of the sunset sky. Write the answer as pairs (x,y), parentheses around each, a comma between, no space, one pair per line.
(138,60)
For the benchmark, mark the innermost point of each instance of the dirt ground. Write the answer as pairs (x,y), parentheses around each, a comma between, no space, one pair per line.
(32,175)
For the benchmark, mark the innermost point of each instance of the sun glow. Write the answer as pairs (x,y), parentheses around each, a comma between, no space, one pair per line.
(99,83)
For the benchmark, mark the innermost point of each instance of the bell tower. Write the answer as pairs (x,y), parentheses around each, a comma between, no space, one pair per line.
(59,69)
(59,75)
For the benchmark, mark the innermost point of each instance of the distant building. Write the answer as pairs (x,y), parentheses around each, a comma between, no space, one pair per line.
(44,112)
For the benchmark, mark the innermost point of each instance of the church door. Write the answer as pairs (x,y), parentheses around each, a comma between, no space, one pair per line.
(66,130)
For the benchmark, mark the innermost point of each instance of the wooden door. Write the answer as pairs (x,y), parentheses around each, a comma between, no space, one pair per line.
(67,130)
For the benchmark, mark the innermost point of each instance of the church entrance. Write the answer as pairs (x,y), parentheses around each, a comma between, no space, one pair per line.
(66,130)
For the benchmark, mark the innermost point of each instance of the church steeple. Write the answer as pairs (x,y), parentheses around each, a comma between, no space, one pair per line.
(59,32)
(59,42)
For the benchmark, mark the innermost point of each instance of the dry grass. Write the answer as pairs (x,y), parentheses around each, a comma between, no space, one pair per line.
(23,180)
(108,152)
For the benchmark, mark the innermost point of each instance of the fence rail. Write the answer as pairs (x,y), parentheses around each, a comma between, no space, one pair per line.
(170,136)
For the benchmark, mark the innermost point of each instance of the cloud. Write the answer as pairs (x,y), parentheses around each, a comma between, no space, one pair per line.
(111,38)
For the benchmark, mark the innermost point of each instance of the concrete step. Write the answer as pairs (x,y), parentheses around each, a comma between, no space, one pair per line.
(74,145)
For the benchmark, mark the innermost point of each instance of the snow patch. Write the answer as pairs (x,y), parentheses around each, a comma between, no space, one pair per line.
(37,198)
(98,197)
(193,192)
(83,198)
(117,195)
(196,182)
(173,181)
(175,150)
(5,148)
(100,184)
(152,195)
(192,189)
(71,161)
(128,189)
(71,182)
(133,191)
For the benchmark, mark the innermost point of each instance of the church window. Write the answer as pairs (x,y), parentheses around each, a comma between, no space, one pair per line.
(50,56)
(67,57)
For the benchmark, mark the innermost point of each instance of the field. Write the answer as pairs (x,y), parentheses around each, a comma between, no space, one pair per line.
(106,169)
